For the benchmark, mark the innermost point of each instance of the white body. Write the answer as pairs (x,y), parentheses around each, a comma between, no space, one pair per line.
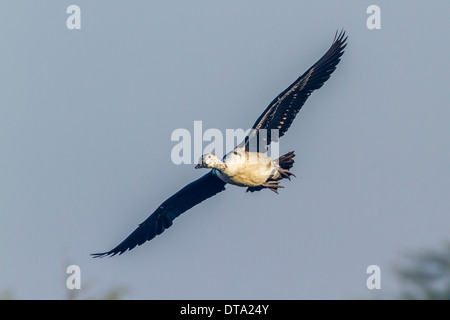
(247,169)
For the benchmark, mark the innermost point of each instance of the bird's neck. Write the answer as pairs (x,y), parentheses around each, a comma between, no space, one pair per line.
(220,166)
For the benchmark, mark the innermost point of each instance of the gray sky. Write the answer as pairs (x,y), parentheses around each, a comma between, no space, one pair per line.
(86,118)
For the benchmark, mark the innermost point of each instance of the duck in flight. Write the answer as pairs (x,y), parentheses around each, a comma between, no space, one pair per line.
(244,166)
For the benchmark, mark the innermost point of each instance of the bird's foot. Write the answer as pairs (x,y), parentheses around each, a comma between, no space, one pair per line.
(272,185)
(286,173)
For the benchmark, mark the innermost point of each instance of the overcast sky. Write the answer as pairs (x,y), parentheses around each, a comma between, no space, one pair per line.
(86,118)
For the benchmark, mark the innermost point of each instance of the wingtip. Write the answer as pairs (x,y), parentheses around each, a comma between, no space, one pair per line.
(99,255)
(340,36)
(105,254)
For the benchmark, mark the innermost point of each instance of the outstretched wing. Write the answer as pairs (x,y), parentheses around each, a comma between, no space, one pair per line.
(162,218)
(282,110)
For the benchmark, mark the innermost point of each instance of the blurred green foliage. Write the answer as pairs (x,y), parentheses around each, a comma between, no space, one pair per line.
(425,274)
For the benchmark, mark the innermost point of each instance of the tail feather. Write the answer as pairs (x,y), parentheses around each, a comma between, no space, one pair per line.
(286,161)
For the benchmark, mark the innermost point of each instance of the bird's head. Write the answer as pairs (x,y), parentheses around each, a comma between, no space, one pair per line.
(209,161)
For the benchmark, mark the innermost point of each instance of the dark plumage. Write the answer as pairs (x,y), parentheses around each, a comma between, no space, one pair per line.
(162,218)
(282,110)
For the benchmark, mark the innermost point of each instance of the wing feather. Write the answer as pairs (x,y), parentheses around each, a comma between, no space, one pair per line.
(162,218)
(281,112)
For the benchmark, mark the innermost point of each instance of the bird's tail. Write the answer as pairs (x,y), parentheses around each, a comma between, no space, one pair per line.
(286,161)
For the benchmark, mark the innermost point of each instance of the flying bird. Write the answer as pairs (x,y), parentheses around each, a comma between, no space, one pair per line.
(244,166)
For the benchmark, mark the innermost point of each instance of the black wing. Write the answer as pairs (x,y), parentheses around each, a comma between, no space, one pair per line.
(281,112)
(162,218)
